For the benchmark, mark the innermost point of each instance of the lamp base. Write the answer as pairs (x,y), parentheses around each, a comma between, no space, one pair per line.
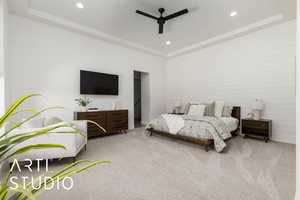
(256,115)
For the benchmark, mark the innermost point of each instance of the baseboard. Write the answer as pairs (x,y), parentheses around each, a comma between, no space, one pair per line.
(284,139)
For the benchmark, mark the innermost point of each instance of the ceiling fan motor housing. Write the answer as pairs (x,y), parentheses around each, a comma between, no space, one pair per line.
(162,20)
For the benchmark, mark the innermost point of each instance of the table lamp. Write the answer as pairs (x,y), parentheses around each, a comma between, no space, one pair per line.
(257,107)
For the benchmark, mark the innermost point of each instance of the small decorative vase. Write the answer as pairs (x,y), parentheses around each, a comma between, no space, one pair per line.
(83,108)
(114,106)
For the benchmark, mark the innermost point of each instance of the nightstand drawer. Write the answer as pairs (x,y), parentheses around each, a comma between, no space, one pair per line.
(255,131)
(255,124)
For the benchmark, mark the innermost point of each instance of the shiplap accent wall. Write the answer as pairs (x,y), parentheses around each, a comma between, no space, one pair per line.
(258,65)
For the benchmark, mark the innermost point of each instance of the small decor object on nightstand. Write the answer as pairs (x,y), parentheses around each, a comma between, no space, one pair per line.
(257,108)
(257,128)
(177,107)
(83,103)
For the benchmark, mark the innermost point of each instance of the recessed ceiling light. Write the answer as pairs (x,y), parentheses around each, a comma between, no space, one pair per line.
(80,5)
(234,13)
(168,42)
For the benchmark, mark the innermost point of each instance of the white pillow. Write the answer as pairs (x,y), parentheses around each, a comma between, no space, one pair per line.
(219,105)
(34,123)
(48,121)
(197,110)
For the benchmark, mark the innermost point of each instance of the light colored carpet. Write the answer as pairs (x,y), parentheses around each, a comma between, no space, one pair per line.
(148,168)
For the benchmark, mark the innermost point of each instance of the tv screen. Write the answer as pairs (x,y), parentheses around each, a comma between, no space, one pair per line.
(94,83)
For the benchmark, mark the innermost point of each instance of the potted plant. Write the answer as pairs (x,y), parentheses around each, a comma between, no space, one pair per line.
(83,103)
(9,140)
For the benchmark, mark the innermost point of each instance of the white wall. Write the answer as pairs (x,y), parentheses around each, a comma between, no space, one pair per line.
(297,196)
(45,59)
(145,95)
(258,65)
(3,49)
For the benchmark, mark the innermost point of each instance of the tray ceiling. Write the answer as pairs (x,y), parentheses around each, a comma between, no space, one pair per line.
(117,18)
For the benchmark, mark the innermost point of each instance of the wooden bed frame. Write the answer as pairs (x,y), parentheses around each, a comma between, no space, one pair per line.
(236,113)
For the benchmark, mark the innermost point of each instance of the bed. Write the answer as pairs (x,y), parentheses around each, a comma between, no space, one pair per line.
(207,131)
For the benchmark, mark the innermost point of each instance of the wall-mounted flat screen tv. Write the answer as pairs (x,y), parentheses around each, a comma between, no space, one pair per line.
(93,83)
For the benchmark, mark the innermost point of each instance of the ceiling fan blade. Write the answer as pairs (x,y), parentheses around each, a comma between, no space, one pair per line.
(146,14)
(161,28)
(177,14)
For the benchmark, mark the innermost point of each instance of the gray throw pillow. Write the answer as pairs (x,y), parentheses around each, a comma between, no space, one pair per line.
(227,111)
(209,109)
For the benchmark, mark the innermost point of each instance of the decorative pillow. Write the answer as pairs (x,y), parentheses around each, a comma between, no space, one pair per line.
(187,108)
(219,105)
(34,123)
(197,110)
(48,121)
(209,109)
(227,111)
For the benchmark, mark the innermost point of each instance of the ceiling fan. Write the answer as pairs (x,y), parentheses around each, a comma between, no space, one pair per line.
(162,20)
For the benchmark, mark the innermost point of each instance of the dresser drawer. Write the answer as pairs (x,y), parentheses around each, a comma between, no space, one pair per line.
(255,131)
(91,116)
(255,124)
(117,114)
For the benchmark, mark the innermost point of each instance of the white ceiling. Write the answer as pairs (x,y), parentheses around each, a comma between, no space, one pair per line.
(117,18)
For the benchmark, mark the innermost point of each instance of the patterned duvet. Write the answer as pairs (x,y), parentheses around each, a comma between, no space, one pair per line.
(211,128)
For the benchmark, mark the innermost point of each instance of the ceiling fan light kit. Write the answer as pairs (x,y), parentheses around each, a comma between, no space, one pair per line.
(162,20)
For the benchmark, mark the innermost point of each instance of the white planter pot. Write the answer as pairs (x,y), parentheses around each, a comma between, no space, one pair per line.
(83,108)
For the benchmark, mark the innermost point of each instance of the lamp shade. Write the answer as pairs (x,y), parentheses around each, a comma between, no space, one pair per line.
(258,105)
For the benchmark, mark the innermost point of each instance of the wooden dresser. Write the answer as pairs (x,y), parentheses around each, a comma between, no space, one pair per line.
(114,121)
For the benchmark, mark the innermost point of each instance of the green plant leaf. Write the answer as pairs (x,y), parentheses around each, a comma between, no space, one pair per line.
(25,110)
(13,108)
(26,193)
(27,120)
(92,122)
(8,142)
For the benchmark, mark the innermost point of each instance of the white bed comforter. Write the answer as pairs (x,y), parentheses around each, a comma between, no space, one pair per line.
(174,122)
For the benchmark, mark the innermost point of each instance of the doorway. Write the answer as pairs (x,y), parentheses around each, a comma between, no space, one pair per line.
(141,98)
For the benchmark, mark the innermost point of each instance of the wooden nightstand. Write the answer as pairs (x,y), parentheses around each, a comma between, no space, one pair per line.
(257,128)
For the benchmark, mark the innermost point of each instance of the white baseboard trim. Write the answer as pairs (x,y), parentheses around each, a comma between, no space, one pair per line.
(284,139)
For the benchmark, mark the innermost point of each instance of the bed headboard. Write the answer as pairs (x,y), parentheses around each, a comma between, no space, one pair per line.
(236,112)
